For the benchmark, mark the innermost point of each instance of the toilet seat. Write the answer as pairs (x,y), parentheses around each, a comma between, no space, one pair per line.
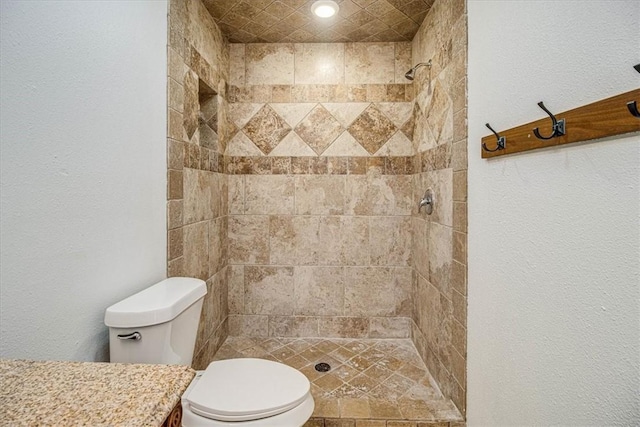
(247,389)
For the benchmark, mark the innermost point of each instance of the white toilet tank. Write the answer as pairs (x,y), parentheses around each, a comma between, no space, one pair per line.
(158,324)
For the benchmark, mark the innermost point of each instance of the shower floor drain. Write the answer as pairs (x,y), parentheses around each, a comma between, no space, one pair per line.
(323,367)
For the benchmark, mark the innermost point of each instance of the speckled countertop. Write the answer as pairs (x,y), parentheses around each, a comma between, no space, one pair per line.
(84,393)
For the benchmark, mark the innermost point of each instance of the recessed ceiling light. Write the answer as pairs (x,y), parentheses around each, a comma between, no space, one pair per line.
(325,9)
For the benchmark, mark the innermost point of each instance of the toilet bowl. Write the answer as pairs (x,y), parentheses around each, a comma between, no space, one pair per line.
(247,392)
(159,325)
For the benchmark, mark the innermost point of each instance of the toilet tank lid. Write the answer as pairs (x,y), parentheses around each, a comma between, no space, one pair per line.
(157,304)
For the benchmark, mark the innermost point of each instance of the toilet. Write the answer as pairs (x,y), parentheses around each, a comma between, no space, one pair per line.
(160,324)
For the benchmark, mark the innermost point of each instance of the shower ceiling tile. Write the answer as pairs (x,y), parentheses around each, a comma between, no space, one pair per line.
(278,21)
(380,7)
(248,10)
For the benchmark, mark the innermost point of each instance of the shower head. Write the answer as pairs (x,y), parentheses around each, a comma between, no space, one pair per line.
(409,75)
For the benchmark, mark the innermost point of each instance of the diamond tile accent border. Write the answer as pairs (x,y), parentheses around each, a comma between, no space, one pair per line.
(370,379)
(266,129)
(372,129)
(319,129)
(321,126)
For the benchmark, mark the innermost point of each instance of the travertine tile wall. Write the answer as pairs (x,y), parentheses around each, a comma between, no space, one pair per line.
(320,190)
(439,249)
(198,65)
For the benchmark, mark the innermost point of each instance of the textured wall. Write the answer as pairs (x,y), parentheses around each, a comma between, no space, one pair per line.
(439,239)
(83,170)
(197,190)
(554,233)
(320,190)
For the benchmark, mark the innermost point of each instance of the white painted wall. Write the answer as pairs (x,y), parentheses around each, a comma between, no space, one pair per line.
(83,169)
(554,284)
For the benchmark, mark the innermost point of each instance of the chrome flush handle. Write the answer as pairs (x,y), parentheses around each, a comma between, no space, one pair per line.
(136,336)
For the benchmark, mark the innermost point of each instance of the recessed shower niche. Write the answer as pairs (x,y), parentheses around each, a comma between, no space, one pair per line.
(201,110)
(208,116)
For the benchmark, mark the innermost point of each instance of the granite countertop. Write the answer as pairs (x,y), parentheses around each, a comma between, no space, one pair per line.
(86,393)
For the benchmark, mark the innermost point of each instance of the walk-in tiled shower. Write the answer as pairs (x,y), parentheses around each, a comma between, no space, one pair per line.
(295,170)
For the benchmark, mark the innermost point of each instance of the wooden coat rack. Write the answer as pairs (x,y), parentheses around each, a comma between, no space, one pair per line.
(608,117)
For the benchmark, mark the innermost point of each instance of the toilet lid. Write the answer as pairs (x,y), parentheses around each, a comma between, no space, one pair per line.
(247,389)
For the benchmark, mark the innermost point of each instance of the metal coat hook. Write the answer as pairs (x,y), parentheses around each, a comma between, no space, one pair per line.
(502,141)
(632,105)
(633,108)
(558,126)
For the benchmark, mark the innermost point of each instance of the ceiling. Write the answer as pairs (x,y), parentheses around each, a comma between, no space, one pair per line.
(291,21)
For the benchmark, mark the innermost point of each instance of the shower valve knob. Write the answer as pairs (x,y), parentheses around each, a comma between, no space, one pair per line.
(427,201)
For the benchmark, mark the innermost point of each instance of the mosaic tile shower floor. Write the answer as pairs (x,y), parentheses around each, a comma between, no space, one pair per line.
(372,383)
